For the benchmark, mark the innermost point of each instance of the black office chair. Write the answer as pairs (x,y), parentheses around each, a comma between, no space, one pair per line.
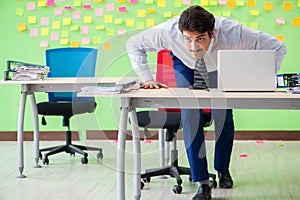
(69,62)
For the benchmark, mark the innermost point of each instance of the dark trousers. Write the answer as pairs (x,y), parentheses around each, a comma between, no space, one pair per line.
(194,138)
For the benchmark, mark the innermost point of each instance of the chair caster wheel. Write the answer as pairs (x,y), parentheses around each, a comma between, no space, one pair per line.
(72,154)
(177,189)
(142,185)
(40,156)
(46,161)
(100,155)
(84,160)
(147,180)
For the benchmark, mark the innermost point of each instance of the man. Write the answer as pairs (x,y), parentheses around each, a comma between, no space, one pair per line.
(194,38)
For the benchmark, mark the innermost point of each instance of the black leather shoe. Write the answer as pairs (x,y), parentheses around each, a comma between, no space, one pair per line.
(204,193)
(225,180)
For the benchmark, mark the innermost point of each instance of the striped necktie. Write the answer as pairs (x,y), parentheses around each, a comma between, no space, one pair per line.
(200,75)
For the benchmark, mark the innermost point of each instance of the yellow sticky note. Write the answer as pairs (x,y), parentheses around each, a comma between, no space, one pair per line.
(141,13)
(167,14)
(65,33)
(254,12)
(100,27)
(31,19)
(231,3)
(150,11)
(110,32)
(108,18)
(96,40)
(149,1)
(178,3)
(121,1)
(296,21)
(150,22)
(204,2)
(42,3)
(19,11)
(243,23)
(298,3)
(77,3)
(226,14)
(119,21)
(268,6)
(130,22)
(240,3)
(107,46)
(64,41)
(253,25)
(250,3)
(98,1)
(280,37)
(87,19)
(56,25)
(74,27)
(75,44)
(161,3)
(22,27)
(213,3)
(44,31)
(67,21)
(140,25)
(216,13)
(287,6)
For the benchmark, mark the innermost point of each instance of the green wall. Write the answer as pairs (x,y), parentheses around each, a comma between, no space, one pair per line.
(114,62)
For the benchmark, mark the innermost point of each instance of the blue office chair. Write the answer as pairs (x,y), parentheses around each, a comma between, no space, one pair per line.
(69,62)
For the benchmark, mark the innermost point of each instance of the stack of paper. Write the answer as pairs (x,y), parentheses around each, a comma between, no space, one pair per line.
(120,87)
(23,72)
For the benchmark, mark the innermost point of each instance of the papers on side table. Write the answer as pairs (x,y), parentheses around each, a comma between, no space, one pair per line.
(119,87)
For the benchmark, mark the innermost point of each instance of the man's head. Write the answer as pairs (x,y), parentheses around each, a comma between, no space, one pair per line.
(197,26)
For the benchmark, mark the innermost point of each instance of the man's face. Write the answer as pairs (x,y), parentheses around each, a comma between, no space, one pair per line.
(197,43)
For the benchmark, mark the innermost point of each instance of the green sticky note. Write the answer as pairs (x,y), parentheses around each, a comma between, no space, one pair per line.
(167,14)
(19,11)
(140,25)
(226,13)
(178,3)
(110,32)
(65,33)
(253,25)
(149,1)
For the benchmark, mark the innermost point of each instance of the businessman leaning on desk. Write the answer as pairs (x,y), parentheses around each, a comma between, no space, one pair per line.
(194,38)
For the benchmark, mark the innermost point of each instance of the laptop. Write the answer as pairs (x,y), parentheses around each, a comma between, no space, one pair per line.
(246,70)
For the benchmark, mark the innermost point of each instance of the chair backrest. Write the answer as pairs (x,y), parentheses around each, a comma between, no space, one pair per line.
(70,62)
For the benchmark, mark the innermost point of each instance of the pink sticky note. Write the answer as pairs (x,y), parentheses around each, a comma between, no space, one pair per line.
(58,11)
(44,20)
(87,6)
(54,36)
(99,12)
(85,41)
(31,6)
(133,1)
(44,44)
(280,21)
(34,32)
(84,30)
(77,14)
(110,7)
(186,2)
(259,142)
(121,32)
(50,3)
(68,7)
(147,141)
(122,9)
(222,2)
(115,141)
(244,155)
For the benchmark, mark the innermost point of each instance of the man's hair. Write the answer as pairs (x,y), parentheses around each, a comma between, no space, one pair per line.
(196,18)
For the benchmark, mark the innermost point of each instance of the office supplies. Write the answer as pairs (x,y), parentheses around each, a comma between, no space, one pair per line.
(117,87)
(246,70)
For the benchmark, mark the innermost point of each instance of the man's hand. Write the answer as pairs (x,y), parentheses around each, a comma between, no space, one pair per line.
(151,84)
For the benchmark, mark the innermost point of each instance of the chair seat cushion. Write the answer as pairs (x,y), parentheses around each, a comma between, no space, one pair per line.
(157,119)
(66,108)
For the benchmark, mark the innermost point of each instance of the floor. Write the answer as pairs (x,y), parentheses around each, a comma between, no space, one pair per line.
(260,169)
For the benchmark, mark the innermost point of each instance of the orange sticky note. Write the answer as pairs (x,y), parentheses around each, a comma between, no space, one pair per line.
(296,21)
(22,27)
(74,44)
(287,6)
(268,6)
(250,3)
(107,46)
(150,11)
(231,3)
(280,37)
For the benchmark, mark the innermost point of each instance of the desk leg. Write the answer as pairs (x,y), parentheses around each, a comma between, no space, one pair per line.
(121,150)
(36,134)
(20,134)
(137,154)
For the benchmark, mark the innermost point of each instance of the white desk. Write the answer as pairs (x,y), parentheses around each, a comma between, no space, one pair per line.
(47,85)
(184,98)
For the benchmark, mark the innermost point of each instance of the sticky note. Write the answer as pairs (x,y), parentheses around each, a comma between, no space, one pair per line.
(226,13)
(44,44)
(108,19)
(54,36)
(259,142)
(22,27)
(84,30)
(251,3)
(42,3)
(216,13)
(121,32)
(254,12)
(96,40)
(167,14)
(88,19)
(110,7)
(74,43)
(253,25)
(296,21)
(19,11)
(147,141)
(45,21)
(87,6)
(76,14)
(177,3)
(64,41)
(213,3)
(100,27)
(149,2)
(186,2)
(204,2)
(240,3)
(67,21)
(231,3)
(122,9)
(44,31)
(68,7)
(58,11)
(140,25)
(121,1)
(34,32)
(133,1)
(99,12)
(244,155)
(287,6)
(298,3)
(98,1)
(77,3)
(280,145)
(130,22)
(50,3)
(56,25)
(31,19)
(119,21)
(150,22)
(74,27)
(107,46)
(65,33)
(31,6)
(85,41)
(110,32)
(280,21)
(223,2)
(268,6)
(141,13)
(150,11)
(161,3)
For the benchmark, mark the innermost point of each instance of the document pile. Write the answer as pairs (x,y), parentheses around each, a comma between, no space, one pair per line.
(21,71)
(118,87)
